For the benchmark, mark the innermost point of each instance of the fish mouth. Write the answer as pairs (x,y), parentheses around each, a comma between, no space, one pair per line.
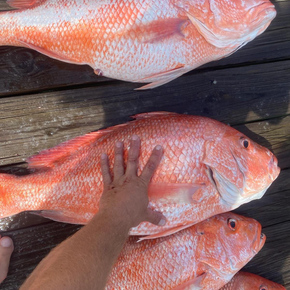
(274,168)
(264,13)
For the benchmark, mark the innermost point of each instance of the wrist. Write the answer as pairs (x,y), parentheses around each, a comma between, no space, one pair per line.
(110,219)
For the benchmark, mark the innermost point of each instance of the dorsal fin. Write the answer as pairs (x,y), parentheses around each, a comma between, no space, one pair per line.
(22,4)
(60,153)
(152,114)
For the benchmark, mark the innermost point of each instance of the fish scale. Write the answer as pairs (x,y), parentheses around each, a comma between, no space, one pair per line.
(191,183)
(149,41)
(179,261)
(248,281)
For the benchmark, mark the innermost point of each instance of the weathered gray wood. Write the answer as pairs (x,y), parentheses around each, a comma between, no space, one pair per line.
(23,70)
(250,90)
(275,136)
(31,246)
(32,123)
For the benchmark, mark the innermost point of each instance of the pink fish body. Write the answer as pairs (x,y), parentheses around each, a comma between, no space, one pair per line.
(248,281)
(151,41)
(207,168)
(204,256)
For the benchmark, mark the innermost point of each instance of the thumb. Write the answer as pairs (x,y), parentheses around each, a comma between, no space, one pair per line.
(155,217)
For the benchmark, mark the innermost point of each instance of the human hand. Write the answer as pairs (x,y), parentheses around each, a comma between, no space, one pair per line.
(126,196)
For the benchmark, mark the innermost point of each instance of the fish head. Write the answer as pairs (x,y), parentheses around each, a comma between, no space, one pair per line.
(248,281)
(240,169)
(229,24)
(229,241)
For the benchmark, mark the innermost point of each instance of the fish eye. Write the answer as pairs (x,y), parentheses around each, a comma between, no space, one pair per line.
(232,223)
(263,288)
(245,142)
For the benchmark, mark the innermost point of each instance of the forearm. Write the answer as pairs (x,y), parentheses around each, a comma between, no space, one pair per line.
(84,260)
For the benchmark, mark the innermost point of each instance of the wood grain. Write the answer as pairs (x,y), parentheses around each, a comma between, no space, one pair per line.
(44,102)
(31,123)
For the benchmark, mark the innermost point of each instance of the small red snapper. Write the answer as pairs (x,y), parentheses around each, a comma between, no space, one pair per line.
(248,281)
(207,168)
(204,256)
(148,41)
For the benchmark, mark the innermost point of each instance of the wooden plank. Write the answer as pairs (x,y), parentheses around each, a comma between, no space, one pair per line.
(272,211)
(24,71)
(31,246)
(35,122)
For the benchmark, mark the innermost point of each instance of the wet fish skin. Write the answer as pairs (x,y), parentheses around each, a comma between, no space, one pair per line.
(147,41)
(205,170)
(204,256)
(248,281)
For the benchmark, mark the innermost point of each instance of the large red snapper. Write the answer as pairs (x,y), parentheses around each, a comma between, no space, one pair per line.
(248,281)
(207,168)
(149,41)
(204,256)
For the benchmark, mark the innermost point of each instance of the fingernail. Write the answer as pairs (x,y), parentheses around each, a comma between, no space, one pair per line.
(135,137)
(158,147)
(103,156)
(162,222)
(6,243)
(118,144)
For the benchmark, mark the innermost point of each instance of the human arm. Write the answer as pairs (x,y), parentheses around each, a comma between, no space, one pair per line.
(84,260)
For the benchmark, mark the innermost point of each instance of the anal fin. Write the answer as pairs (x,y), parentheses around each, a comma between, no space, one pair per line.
(166,232)
(48,53)
(57,216)
(162,78)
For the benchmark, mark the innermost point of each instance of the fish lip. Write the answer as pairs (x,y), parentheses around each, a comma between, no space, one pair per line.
(275,169)
(265,7)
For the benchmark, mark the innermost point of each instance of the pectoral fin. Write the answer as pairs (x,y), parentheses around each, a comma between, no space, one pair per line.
(176,193)
(193,284)
(159,30)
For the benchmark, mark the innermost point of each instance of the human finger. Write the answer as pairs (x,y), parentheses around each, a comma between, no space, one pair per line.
(107,179)
(6,249)
(152,164)
(118,162)
(133,155)
(155,217)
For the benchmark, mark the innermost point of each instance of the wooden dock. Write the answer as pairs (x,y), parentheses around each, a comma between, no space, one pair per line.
(44,102)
